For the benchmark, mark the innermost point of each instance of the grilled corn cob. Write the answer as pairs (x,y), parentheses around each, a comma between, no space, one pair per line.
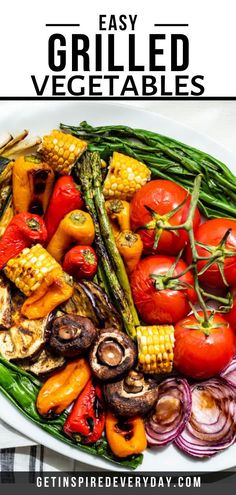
(155,348)
(125,176)
(29,268)
(61,150)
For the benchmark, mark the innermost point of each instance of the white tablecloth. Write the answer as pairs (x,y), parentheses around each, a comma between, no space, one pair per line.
(216,119)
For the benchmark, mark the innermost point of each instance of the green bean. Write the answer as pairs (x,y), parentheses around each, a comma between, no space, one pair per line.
(167,158)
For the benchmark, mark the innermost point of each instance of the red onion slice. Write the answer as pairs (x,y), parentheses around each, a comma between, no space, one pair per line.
(212,423)
(171,412)
(229,373)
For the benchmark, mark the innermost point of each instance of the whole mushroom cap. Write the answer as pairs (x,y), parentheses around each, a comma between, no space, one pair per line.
(71,335)
(112,354)
(131,396)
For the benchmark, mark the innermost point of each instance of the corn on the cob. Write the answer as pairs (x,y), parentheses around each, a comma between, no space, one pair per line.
(61,150)
(125,176)
(155,348)
(29,268)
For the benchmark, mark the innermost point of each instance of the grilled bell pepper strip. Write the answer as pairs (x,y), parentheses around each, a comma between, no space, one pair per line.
(66,197)
(81,262)
(61,389)
(76,227)
(130,247)
(56,288)
(24,230)
(32,184)
(126,436)
(86,421)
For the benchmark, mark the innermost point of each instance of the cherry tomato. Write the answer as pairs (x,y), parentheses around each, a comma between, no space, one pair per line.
(159,299)
(231,315)
(81,262)
(211,234)
(162,196)
(199,355)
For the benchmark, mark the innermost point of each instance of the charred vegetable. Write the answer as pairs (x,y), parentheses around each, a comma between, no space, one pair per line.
(66,197)
(5,182)
(167,158)
(5,304)
(133,395)
(112,354)
(89,175)
(87,419)
(21,388)
(126,436)
(91,301)
(24,230)
(81,262)
(32,183)
(6,216)
(61,389)
(102,305)
(72,335)
(24,339)
(76,227)
(44,363)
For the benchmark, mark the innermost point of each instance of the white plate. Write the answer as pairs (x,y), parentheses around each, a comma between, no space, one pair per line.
(40,117)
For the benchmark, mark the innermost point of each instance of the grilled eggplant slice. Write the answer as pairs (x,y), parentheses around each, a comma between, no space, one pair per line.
(25,338)
(79,304)
(72,335)
(103,307)
(43,364)
(90,301)
(5,304)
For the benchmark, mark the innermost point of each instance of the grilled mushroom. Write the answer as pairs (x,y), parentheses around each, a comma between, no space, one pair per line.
(71,335)
(112,354)
(132,395)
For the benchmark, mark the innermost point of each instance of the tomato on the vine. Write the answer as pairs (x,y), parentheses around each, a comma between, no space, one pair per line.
(159,295)
(152,210)
(203,351)
(218,239)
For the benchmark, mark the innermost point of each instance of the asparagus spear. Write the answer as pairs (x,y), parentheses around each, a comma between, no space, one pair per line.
(107,234)
(85,177)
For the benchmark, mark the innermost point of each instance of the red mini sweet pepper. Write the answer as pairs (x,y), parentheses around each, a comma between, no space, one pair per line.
(81,262)
(24,230)
(66,197)
(86,422)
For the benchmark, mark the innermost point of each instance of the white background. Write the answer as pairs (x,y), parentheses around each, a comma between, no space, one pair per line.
(24,37)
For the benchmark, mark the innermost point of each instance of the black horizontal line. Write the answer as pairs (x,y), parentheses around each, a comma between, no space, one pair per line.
(116,98)
(62,25)
(170,25)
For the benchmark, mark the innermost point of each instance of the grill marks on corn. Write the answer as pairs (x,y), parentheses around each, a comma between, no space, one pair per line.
(29,268)
(61,150)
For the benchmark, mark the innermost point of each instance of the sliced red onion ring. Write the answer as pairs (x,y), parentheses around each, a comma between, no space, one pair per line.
(212,423)
(229,373)
(171,412)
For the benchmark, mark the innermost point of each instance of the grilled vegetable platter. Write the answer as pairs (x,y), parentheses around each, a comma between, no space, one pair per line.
(118,291)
